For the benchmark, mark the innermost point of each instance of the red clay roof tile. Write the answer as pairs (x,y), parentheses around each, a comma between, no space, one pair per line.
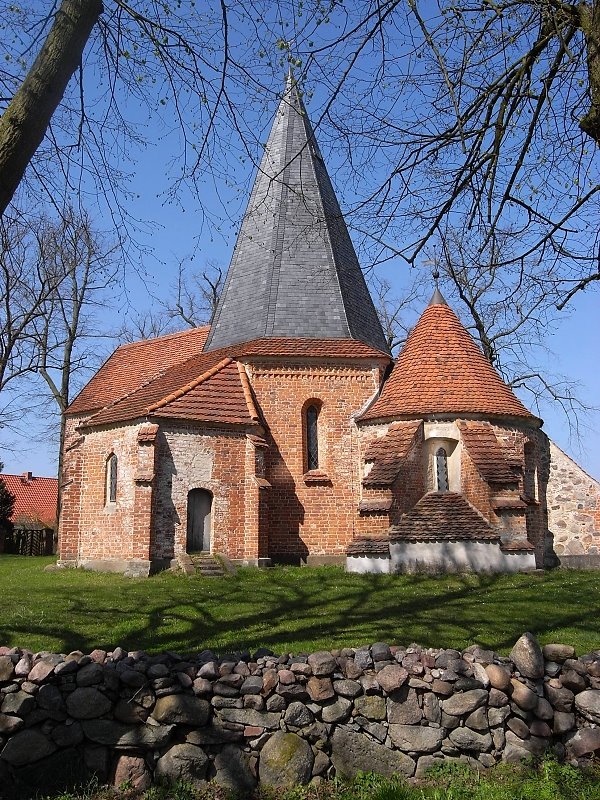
(379,504)
(133,364)
(369,547)
(212,395)
(307,348)
(442,371)
(388,452)
(443,515)
(35,499)
(486,452)
(509,502)
(220,398)
(147,378)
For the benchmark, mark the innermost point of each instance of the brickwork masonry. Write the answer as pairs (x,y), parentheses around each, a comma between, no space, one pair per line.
(242,719)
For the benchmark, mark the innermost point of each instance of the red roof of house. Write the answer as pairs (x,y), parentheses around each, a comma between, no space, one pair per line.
(442,371)
(443,515)
(486,452)
(35,499)
(388,452)
(133,364)
(172,377)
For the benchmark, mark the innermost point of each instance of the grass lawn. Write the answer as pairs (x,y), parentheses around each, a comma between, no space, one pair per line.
(546,781)
(290,609)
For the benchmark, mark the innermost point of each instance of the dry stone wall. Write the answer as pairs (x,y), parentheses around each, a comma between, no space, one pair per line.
(138,719)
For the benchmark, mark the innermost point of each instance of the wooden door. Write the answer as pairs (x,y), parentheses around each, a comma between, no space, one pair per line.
(199,510)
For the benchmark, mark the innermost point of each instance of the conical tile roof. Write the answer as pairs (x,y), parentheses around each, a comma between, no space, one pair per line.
(294,272)
(442,371)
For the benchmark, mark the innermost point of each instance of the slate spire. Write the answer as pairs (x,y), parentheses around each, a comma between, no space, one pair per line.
(294,272)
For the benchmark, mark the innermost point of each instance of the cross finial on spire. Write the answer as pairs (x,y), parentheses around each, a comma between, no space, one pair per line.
(437,297)
(289,80)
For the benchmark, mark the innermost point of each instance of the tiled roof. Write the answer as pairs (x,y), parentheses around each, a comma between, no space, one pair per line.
(375,505)
(206,387)
(388,452)
(443,515)
(442,371)
(306,348)
(369,547)
(131,365)
(175,374)
(511,503)
(35,499)
(220,398)
(294,271)
(486,452)
(516,547)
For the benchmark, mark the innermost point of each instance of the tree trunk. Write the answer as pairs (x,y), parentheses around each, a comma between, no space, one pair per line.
(26,119)
(589,15)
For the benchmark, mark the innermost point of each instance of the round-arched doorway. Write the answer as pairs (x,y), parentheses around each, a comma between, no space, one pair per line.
(199,520)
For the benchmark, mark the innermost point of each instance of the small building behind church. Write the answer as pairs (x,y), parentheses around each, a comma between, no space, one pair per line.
(284,432)
(34,516)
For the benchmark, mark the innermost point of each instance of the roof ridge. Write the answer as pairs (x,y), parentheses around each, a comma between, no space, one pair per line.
(252,410)
(189,386)
(19,475)
(162,337)
(120,399)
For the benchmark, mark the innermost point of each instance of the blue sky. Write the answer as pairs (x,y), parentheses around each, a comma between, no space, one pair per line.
(176,229)
(177,233)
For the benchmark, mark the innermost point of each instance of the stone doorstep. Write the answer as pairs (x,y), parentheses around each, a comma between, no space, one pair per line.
(207,564)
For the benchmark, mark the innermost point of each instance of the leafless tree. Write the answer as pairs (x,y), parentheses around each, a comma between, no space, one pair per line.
(195,295)
(27,282)
(397,311)
(191,301)
(146,325)
(448,112)
(73,316)
(510,308)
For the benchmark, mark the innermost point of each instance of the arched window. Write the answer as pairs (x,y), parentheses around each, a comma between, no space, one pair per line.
(312,438)
(441,469)
(111,479)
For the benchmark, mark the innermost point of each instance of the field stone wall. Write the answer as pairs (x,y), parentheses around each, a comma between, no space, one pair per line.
(135,719)
(573,499)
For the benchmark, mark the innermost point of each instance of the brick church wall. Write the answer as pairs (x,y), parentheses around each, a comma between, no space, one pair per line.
(312,517)
(406,490)
(475,489)
(573,499)
(70,487)
(92,529)
(192,458)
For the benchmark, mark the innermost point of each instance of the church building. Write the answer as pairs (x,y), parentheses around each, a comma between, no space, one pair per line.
(284,432)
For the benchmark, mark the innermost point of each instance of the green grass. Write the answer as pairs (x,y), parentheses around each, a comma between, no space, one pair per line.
(546,781)
(290,609)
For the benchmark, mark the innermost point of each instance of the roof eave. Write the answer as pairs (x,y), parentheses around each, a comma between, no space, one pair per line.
(529,421)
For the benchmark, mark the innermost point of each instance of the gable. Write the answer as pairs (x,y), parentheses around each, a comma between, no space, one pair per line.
(131,365)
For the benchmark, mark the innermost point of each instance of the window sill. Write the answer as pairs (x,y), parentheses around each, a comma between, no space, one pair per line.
(316,476)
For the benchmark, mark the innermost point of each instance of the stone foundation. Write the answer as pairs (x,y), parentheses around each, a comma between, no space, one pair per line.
(240,719)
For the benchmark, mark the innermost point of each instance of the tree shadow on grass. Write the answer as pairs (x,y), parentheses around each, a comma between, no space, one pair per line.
(305,609)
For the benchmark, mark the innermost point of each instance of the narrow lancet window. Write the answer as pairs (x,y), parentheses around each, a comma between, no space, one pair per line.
(312,438)
(111,479)
(441,469)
